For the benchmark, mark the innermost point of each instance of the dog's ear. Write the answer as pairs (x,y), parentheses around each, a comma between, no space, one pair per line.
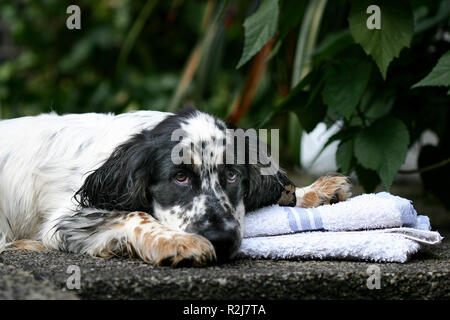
(265,185)
(122,181)
(264,190)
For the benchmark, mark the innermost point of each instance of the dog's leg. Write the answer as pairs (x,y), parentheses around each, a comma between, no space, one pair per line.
(106,234)
(328,189)
(25,245)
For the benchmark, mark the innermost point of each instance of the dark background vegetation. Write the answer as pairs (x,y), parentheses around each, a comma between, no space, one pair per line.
(300,63)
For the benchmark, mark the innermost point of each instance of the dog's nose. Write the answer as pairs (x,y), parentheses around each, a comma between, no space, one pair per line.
(225,243)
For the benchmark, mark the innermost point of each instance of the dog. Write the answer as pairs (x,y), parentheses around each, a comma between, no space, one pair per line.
(107,185)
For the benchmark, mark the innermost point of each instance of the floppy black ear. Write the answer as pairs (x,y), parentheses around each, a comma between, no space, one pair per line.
(122,182)
(265,190)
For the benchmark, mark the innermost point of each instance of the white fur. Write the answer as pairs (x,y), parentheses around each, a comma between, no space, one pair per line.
(300,193)
(41,165)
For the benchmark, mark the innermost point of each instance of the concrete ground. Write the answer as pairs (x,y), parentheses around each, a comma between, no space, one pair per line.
(45,275)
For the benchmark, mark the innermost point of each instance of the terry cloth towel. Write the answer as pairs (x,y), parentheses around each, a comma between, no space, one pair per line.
(393,231)
(367,211)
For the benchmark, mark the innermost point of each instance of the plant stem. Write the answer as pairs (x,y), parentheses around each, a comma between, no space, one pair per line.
(443,163)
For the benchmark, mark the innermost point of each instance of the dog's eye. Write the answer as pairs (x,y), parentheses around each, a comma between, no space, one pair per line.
(231,176)
(181,178)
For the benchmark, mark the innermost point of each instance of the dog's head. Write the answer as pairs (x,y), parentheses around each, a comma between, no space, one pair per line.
(178,172)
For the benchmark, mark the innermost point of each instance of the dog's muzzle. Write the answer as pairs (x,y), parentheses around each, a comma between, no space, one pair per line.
(221,228)
(225,243)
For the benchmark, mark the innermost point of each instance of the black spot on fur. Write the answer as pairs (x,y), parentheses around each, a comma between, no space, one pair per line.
(76,230)
(220,125)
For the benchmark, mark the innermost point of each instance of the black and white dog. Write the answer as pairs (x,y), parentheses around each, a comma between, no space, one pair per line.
(107,185)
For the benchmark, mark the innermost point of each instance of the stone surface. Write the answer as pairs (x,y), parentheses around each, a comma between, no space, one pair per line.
(36,275)
(18,284)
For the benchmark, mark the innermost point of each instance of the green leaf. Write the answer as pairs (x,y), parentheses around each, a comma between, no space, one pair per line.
(311,114)
(344,155)
(397,27)
(346,84)
(297,97)
(369,179)
(377,103)
(313,111)
(332,45)
(307,105)
(259,28)
(291,13)
(439,76)
(343,135)
(382,147)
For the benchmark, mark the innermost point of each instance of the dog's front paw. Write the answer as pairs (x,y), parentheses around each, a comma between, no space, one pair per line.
(329,189)
(182,249)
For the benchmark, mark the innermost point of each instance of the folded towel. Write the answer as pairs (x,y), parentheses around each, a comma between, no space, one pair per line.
(387,245)
(392,231)
(367,211)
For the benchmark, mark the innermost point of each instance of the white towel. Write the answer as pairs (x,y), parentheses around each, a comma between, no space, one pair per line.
(393,231)
(367,211)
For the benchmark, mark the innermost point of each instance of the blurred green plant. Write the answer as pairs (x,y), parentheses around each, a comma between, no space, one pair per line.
(366,80)
(273,63)
(126,56)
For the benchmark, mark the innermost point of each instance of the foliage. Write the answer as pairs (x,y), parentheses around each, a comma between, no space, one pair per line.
(259,28)
(366,81)
(439,76)
(101,67)
(395,33)
(240,57)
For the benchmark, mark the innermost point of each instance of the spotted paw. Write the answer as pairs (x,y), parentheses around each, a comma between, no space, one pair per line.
(329,189)
(183,249)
